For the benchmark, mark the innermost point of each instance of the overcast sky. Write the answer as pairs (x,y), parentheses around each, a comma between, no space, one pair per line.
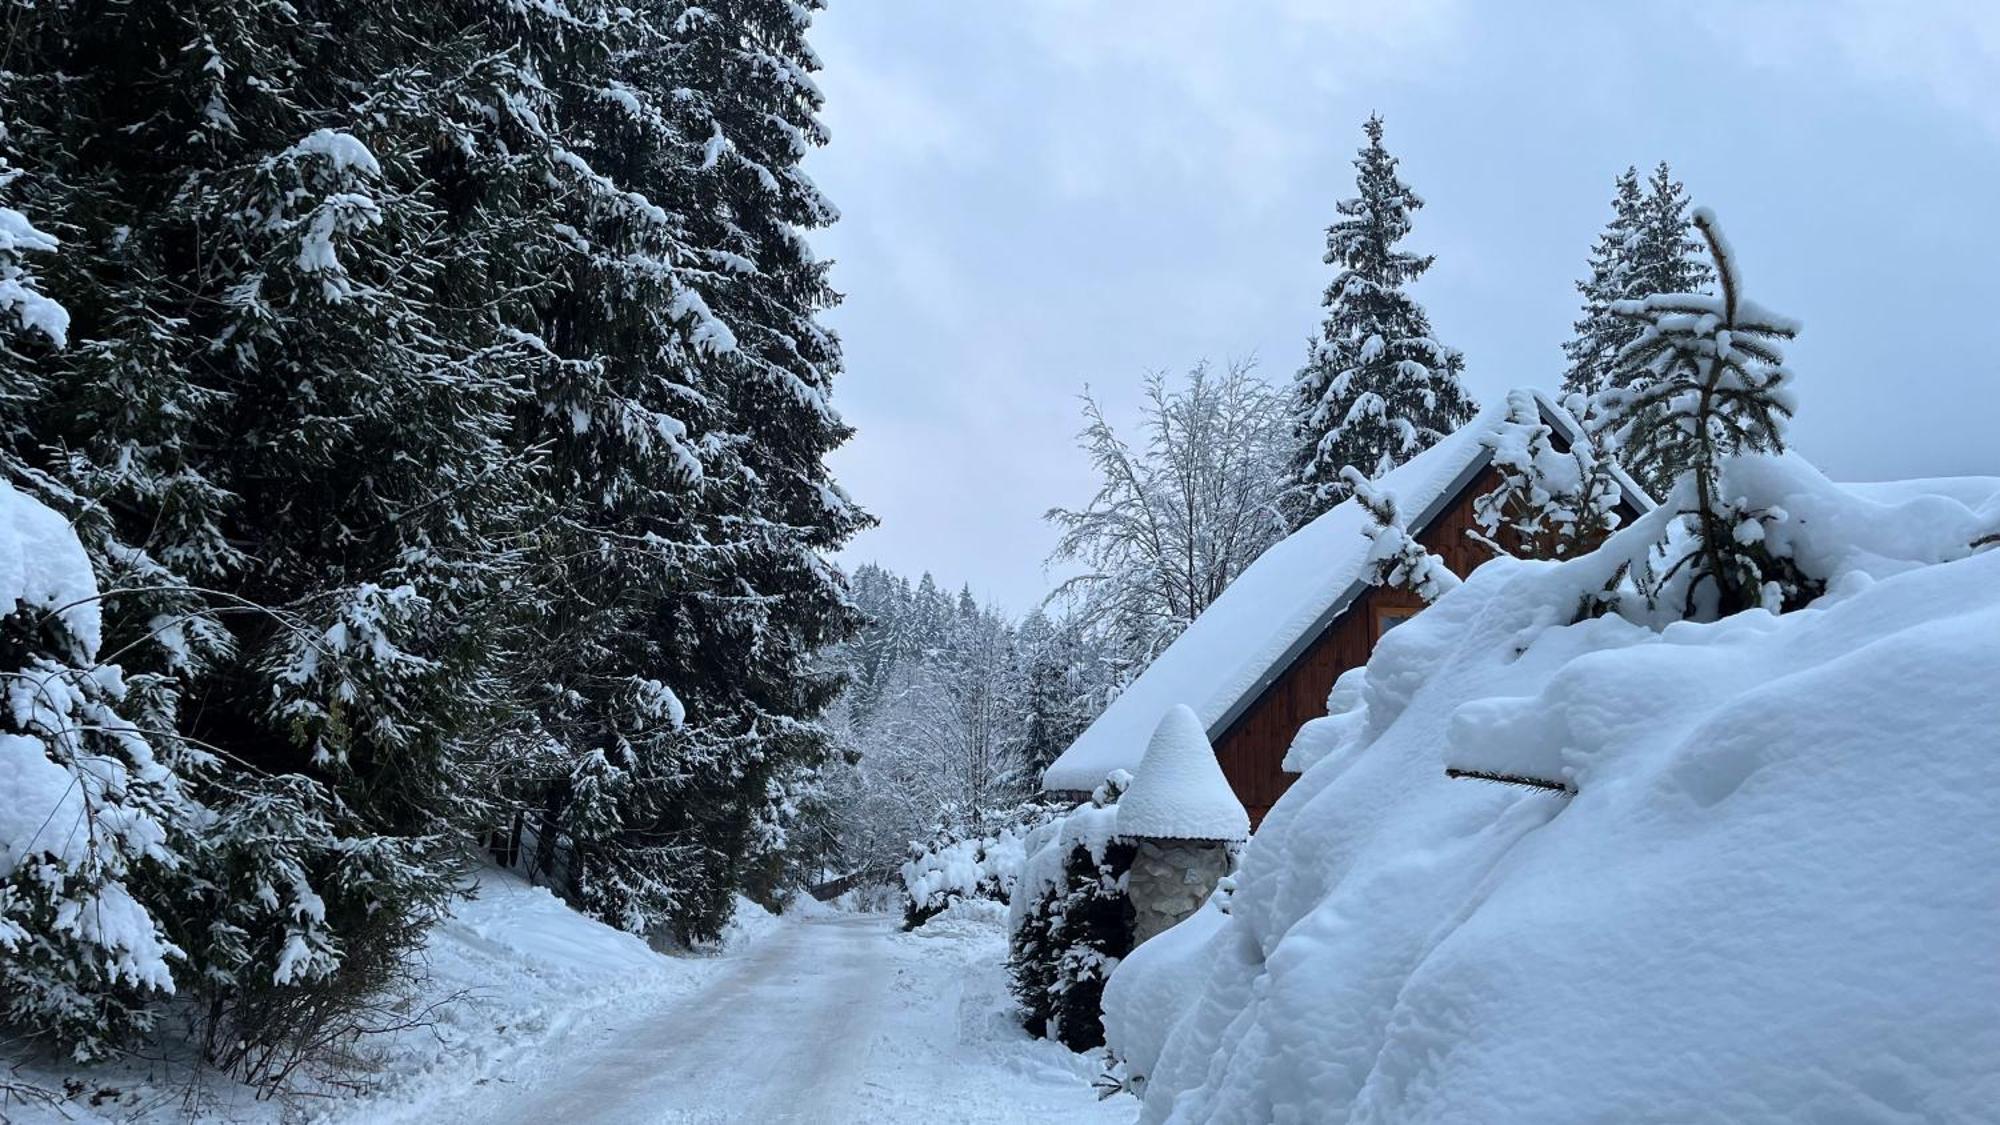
(1039,194)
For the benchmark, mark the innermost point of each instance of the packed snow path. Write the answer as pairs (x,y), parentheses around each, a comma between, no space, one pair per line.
(838,1019)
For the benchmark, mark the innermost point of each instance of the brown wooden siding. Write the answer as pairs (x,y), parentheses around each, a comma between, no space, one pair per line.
(1252,749)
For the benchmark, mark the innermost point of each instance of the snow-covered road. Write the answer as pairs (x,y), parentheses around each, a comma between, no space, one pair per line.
(837,1019)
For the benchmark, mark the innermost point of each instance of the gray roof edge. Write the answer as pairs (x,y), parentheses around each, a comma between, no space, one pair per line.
(1346,600)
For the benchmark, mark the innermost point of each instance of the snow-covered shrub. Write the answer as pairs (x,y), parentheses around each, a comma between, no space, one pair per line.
(983,867)
(86,810)
(953,867)
(1070,921)
(1549,504)
(1770,898)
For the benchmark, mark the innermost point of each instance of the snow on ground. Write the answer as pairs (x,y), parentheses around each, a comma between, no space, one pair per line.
(832,1018)
(515,978)
(543,1015)
(1772,898)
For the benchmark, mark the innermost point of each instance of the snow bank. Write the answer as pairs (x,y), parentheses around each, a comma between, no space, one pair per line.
(511,971)
(1179,792)
(1772,897)
(749,923)
(1277,604)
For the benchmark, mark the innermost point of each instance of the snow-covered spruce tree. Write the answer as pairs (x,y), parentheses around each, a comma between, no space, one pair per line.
(1395,558)
(1175,521)
(88,814)
(1066,682)
(283,431)
(86,809)
(1649,247)
(1599,335)
(1550,503)
(1071,921)
(1703,382)
(1377,388)
(685,403)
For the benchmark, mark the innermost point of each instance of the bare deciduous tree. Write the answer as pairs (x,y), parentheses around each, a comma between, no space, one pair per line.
(1175,520)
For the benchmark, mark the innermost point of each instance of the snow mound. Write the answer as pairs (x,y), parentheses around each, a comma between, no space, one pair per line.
(513,973)
(43,566)
(1179,792)
(748,924)
(1772,897)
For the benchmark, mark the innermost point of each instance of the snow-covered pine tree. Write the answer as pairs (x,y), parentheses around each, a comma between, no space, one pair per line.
(88,814)
(1665,253)
(1649,247)
(1377,388)
(1593,351)
(1706,381)
(745,100)
(284,433)
(682,401)
(1550,503)
(1072,920)
(86,809)
(1065,683)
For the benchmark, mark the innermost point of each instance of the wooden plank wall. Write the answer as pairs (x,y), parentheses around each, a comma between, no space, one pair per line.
(1252,749)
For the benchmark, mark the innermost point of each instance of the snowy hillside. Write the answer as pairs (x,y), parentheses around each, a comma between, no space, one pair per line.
(1772,895)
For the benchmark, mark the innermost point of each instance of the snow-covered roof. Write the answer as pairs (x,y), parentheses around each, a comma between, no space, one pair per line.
(1179,792)
(1279,605)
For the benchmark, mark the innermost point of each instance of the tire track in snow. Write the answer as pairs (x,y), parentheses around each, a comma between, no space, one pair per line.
(783,1038)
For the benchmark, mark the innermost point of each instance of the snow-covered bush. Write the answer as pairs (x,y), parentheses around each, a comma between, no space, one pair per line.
(1070,921)
(1549,504)
(952,868)
(1770,897)
(86,810)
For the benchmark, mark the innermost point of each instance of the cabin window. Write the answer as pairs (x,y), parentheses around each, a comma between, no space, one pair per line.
(1387,619)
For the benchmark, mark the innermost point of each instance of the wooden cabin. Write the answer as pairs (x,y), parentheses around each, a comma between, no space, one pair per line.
(1260,662)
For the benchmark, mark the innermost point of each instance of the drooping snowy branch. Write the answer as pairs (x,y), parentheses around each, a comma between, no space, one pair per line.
(1395,558)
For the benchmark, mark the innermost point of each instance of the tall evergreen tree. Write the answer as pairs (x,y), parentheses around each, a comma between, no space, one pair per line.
(694,567)
(1594,349)
(1376,388)
(1648,247)
(284,432)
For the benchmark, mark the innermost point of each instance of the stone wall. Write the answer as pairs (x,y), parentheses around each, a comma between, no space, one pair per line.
(1170,879)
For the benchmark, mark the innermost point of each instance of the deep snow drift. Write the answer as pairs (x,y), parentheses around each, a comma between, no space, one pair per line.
(1773,897)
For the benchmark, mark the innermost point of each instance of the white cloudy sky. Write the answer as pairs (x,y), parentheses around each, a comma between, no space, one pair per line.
(1039,194)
